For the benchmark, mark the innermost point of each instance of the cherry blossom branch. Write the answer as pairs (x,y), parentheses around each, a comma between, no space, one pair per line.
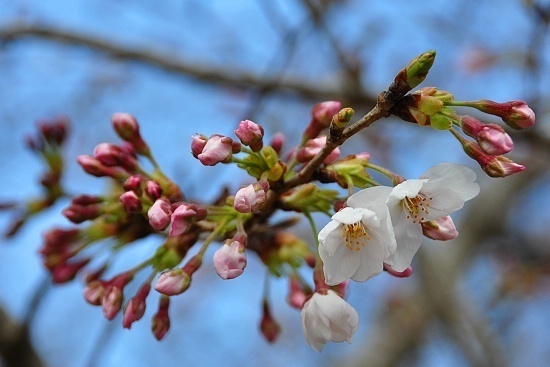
(194,69)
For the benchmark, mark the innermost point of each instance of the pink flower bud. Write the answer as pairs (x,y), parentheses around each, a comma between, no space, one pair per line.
(173,282)
(86,200)
(95,168)
(250,134)
(133,183)
(131,202)
(516,114)
(493,165)
(197,144)
(160,324)
(159,214)
(398,274)
(93,293)
(492,138)
(79,213)
(182,219)
(112,298)
(250,198)
(277,142)
(67,271)
(314,146)
(217,149)
(442,229)
(153,190)
(230,259)
(135,309)
(54,131)
(127,127)
(297,296)
(111,155)
(321,117)
(269,327)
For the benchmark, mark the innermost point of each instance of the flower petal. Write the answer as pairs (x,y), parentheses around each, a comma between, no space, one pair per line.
(351,215)
(443,202)
(341,265)
(454,176)
(408,236)
(371,195)
(330,237)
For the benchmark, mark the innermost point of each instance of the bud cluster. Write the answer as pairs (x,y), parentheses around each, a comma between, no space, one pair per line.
(374,230)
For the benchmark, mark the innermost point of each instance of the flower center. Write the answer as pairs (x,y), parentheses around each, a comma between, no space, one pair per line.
(417,207)
(355,236)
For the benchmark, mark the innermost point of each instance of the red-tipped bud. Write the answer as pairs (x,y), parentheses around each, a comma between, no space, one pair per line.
(197,144)
(93,293)
(492,138)
(322,114)
(230,258)
(79,213)
(112,298)
(159,214)
(67,271)
(250,198)
(86,200)
(493,165)
(218,149)
(153,190)
(95,168)
(131,202)
(133,183)
(173,282)
(277,142)
(160,324)
(250,134)
(127,127)
(297,294)
(112,155)
(135,309)
(314,146)
(516,114)
(442,229)
(269,327)
(182,219)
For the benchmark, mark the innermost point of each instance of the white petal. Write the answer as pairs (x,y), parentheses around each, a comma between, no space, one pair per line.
(408,236)
(341,265)
(330,237)
(456,177)
(351,215)
(371,195)
(443,202)
(409,188)
(372,259)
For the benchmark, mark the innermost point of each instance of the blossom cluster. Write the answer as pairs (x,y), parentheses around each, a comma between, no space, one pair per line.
(378,228)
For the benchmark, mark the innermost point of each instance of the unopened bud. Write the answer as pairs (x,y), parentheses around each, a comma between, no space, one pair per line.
(218,149)
(173,282)
(95,168)
(493,165)
(269,327)
(80,213)
(230,259)
(277,142)
(492,138)
(153,190)
(442,229)
(182,218)
(250,198)
(159,214)
(322,114)
(135,309)
(313,147)
(516,114)
(160,324)
(127,127)
(250,134)
(131,202)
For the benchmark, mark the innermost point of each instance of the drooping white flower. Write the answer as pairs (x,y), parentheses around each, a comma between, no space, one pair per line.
(440,191)
(355,244)
(327,317)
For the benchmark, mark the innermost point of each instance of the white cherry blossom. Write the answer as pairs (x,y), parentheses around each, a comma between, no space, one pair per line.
(355,244)
(327,317)
(441,190)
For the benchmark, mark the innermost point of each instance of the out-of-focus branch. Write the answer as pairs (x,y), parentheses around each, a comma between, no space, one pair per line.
(16,349)
(195,69)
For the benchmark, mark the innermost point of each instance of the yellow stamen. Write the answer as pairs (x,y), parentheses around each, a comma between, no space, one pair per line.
(355,236)
(417,207)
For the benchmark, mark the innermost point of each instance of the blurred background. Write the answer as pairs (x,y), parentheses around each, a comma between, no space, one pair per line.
(188,66)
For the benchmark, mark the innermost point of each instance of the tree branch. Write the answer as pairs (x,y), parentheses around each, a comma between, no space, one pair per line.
(196,69)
